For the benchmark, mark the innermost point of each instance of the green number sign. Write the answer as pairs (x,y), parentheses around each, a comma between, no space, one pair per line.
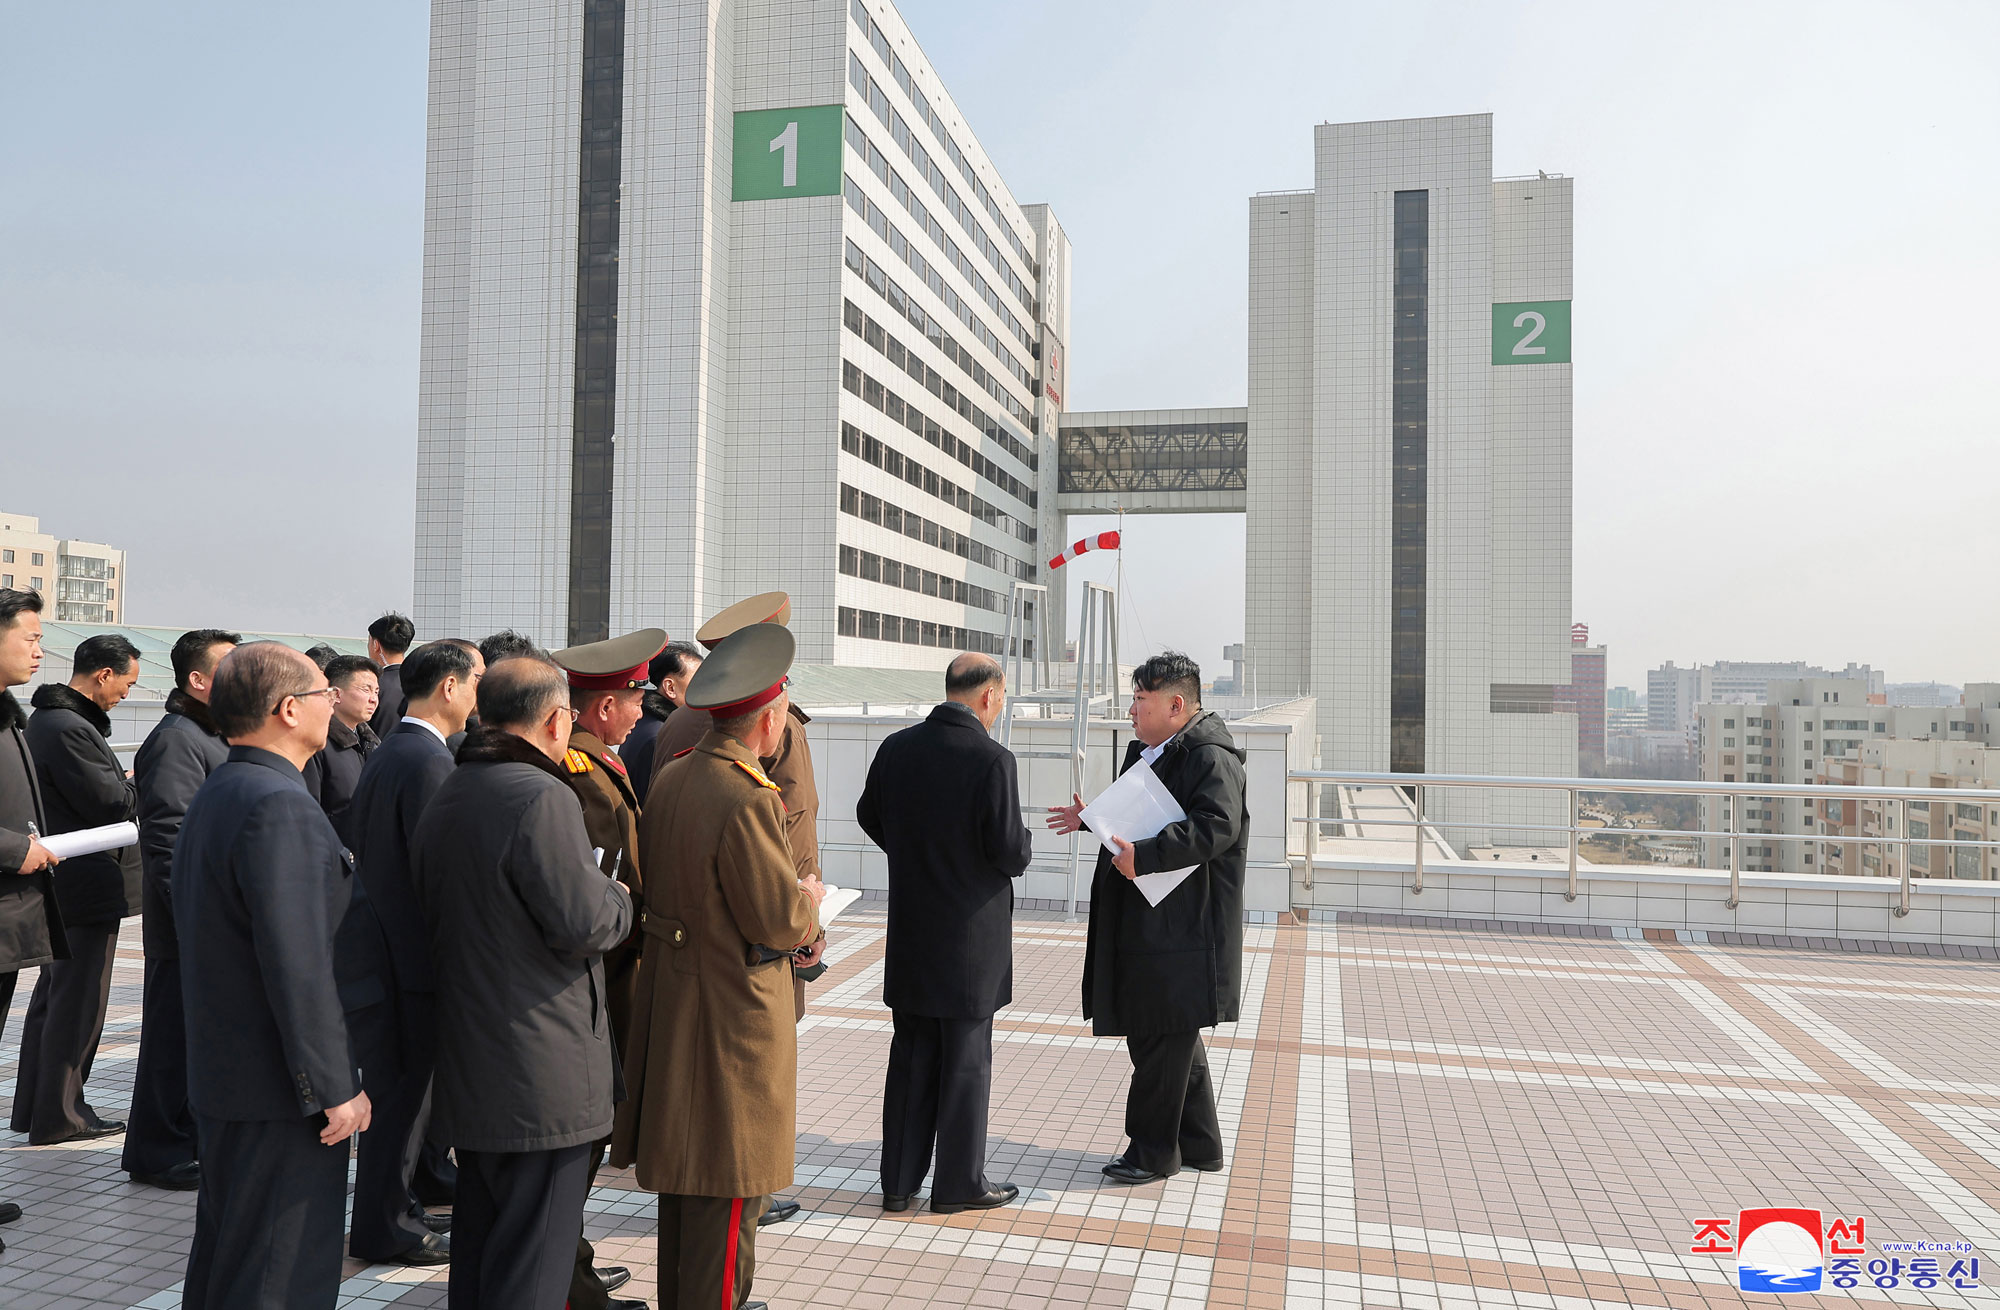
(1531,332)
(788,152)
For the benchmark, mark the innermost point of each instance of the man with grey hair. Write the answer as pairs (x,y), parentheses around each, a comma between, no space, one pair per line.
(518,916)
(260,885)
(949,962)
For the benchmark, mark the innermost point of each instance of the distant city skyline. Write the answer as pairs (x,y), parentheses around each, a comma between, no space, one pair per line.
(1782,274)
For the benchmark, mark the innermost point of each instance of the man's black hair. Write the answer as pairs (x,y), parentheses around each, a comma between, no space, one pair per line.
(521,691)
(971,672)
(1173,673)
(107,650)
(250,681)
(431,663)
(394,631)
(14,603)
(191,652)
(507,643)
(321,654)
(672,662)
(340,670)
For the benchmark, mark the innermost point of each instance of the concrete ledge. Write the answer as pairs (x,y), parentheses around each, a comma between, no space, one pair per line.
(1850,945)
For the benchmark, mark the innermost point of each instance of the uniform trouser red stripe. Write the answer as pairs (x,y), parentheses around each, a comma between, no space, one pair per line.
(729,1261)
(708,1254)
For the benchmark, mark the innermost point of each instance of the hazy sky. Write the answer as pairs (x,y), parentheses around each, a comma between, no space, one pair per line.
(1785,287)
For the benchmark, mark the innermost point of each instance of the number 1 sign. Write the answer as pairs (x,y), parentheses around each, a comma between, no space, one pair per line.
(1531,332)
(787,152)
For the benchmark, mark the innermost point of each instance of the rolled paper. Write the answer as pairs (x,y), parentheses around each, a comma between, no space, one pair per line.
(89,841)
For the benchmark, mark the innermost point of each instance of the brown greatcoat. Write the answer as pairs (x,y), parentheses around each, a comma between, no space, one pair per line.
(791,768)
(611,819)
(712,1070)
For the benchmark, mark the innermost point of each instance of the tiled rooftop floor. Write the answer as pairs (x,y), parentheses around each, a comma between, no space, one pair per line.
(1422,1117)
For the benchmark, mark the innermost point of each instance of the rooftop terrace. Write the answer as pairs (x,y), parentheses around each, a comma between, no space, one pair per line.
(1423,1115)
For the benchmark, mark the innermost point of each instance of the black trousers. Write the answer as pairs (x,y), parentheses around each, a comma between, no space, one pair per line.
(59,1040)
(267,1218)
(586,1290)
(387,1219)
(1170,1111)
(514,1227)
(160,1131)
(939,1085)
(708,1250)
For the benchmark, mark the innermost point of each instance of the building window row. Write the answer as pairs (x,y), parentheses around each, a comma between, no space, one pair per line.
(871,91)
(898,465)
(903,412)
(927,273)
(873,509)
(870,567)
(908,361)
(871,626)
(879,41)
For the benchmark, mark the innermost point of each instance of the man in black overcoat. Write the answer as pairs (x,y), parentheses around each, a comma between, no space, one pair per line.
(519,916)
(441,679)
(261,883)
(334,773)
(173,762)
(389,641)
(943,801)
(1156,975)
(83,786)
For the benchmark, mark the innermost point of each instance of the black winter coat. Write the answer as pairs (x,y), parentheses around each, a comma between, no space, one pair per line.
(83,786)
(173,762)
(943,802)
(519,917)
(31,925)
(397,782)
(261,884)
(333,774)
(1176,966)
(390,709)
(637,753)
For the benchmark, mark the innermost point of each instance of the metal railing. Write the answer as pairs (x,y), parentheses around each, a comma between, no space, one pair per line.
(1414,785)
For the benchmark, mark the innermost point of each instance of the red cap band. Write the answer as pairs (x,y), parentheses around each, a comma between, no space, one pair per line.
(623,680)
(757,702)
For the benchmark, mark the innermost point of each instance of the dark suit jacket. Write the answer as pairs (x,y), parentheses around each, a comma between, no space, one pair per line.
(260,885)
(332,775)
(31,926)
(84,786)
(943,801)
(173,762)
(397,782)
(390,709)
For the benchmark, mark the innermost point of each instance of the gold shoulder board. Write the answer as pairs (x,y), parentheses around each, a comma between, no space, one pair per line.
(576,761)
(756,773)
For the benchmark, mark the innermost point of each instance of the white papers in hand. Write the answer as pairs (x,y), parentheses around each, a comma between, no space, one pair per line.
(837,899)
(1136,807)
(111,837)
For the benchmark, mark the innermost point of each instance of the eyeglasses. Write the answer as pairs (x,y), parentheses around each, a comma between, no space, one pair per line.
(301,695)
(570,710)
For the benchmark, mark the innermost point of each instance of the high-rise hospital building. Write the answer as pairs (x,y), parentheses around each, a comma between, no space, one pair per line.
(724,296)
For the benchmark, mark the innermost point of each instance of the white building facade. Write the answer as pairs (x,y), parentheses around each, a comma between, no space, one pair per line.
(718,298)
(80,581)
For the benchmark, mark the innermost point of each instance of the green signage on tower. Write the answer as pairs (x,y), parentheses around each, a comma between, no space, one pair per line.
(788,152)
(1531,332)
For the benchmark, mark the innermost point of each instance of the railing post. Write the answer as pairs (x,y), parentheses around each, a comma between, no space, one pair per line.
(1417,887)
(1570,895)
(1902,907)
(1735,853)
(1312,830)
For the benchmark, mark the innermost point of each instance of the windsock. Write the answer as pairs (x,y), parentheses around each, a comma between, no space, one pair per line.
(1102,541)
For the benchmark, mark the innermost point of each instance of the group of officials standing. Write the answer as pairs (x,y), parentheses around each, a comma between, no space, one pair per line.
(494,910)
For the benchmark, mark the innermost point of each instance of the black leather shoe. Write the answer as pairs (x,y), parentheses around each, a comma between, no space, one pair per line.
(437,1223)
(993,1200)
(86,1133)
(435,1249)
(9,1212)
(613,1277)
(778,1213)
(896,1204)
(1121,1170)
(1205,1166)
(626,1305)
(183,1177)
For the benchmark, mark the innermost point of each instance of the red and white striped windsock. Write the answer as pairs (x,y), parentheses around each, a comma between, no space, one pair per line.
(1102,541)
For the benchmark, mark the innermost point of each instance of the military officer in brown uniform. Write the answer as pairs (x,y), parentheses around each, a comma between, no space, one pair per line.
(606,684)
(712,1068)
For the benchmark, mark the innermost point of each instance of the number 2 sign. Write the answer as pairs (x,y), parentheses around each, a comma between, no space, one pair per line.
(1531,332)
(781,153)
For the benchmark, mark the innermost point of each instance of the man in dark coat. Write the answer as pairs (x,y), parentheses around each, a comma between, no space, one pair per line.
(31,927)
(83,786)
(173,762)
(334,773)
(519,916)
(261,883)
(1158,974)
(389,640)
(943,801)
(397,783)
(669,672)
